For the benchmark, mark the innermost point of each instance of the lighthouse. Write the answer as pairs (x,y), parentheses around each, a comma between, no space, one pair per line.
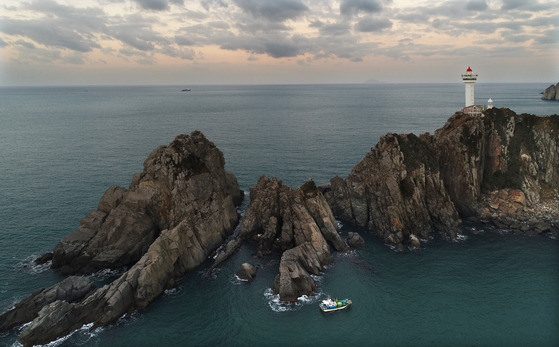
(469,79)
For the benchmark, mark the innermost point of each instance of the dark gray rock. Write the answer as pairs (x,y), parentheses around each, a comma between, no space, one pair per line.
(247,272)
(71,289)
(355,240)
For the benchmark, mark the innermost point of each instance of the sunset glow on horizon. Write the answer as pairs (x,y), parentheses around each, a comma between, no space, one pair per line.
(63,42)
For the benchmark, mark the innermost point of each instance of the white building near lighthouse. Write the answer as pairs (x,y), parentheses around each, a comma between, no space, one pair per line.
(469,78)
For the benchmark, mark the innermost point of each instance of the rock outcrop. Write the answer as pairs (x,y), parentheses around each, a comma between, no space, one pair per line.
(247,272)
(176,212)
(178,179)
(409,186)
(396,191)
(551,93)
(71,289)
(298,223)
(355,240)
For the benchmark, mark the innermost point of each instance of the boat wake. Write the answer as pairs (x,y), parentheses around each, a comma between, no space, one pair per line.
(282,306)
(28,265)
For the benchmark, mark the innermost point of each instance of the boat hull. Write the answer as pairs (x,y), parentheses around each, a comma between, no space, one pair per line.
(345,304)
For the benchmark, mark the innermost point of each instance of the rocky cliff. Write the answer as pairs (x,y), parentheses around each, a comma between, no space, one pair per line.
(175,213)
(551,93)
(407,187)
(177,180)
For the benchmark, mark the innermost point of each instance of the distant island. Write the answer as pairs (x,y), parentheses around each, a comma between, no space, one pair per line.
(498,168)
(551,93)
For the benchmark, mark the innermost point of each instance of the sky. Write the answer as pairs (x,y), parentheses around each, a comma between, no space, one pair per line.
(194,42)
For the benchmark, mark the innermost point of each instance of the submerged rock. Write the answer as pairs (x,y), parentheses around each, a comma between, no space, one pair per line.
(176,212)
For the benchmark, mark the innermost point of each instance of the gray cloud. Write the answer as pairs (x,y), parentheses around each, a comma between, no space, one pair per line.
(354,7)
(25,44)
(476,5)
(273,10)
(372,24)
(3,43)
(337,29)
(157,5)
(274,46)
(49,32)
(207,4)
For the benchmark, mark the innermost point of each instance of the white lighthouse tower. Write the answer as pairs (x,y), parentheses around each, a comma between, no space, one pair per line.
(469,79)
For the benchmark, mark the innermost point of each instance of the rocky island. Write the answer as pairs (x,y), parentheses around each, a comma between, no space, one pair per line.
(499,168)
(551,93)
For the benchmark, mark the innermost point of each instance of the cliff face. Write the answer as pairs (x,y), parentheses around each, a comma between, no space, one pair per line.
(298,223)
(551,93)
(396,191)
(179,180)
(176,212)
(408,186)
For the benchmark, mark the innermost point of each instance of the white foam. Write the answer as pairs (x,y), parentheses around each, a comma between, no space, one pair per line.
(282,306)
(461,237)
(104,274)
(28,264)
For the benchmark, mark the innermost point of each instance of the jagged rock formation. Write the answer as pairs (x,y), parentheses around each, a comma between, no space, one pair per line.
(177,180)
(176,212)
(298,222)
(409,186)
(551,93)
(396,191)
(71,289)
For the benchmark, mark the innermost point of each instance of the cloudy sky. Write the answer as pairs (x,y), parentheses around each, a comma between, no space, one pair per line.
(189,42)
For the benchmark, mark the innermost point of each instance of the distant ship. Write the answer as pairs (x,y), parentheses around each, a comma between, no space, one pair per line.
(186,90)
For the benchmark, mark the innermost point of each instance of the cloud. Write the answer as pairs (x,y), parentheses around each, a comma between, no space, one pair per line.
(50,33)
(2,43)
(207,4)
(476,5)
(274,46)
(354,7)
(157,5)
(25,44)
(74,58)
(372,24)
(514,4)
(273,10)
(337,29)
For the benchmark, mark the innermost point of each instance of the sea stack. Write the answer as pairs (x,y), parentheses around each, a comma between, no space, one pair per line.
(175,213)
(551,93)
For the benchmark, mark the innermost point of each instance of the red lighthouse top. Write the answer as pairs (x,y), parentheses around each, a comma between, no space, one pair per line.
(469,69)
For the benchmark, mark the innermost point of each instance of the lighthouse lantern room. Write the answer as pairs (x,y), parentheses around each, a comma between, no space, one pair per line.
(469,79)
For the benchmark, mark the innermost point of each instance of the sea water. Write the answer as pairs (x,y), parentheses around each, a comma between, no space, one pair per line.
(61,147)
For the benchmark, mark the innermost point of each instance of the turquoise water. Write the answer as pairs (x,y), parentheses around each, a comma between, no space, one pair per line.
(60,148)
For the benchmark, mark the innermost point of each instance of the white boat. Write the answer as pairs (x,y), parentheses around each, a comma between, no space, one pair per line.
(330,305)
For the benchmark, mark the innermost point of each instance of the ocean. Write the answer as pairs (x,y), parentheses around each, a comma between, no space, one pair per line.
(62,147)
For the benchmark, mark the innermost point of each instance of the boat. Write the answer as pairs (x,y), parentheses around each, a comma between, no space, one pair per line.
(186,90)
(330,305)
